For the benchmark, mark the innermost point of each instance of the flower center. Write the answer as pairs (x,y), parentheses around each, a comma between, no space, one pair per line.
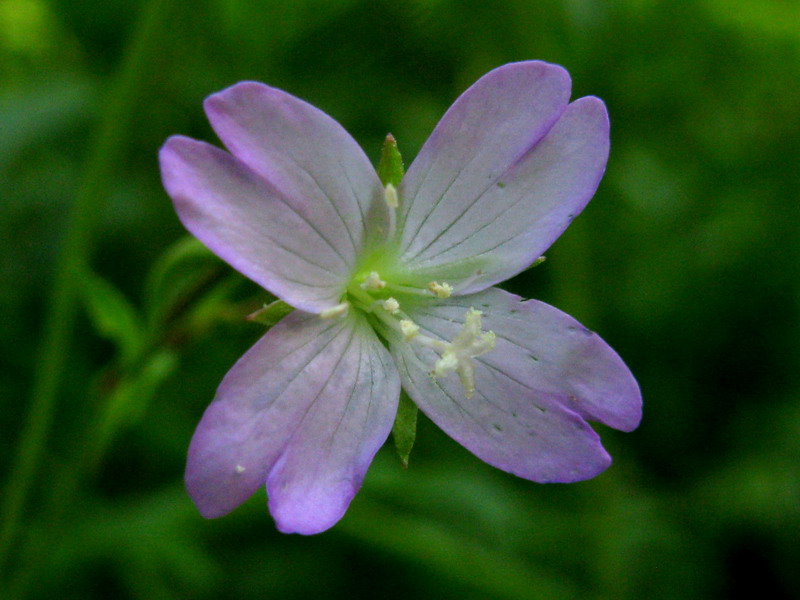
(382,299)
(373,295)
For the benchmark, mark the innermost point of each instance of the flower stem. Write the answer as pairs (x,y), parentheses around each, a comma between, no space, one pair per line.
(106,151)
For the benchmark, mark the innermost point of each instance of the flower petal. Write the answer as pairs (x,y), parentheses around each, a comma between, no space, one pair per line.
(534,390)
(305,410)
(518,165)
(307,155)
(253,226)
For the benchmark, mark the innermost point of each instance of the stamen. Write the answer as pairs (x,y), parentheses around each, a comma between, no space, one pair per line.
(409,329)
(391,305)
(335,311)
(392,200)
(440,290)
(390,195)
(373,282)
(405,289)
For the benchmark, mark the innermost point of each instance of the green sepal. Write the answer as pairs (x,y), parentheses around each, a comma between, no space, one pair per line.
(390,167)
(271,313)
(404,430)
(536,263)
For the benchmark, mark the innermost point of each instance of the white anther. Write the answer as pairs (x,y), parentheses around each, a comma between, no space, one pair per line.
(373,282)
(440,290)
(409,329)
(239,469)
(390,194)
(391,306)
(335,311)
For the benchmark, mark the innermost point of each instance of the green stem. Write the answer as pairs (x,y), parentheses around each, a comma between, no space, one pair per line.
(106,151)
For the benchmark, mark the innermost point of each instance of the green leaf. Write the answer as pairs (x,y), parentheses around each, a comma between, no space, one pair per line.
(271,313)
(112,315)
(390,168)
(404,430)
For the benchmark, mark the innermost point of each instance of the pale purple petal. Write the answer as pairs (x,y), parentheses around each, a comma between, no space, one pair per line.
(549,351)
(253,226)
(507,169)
(534,390)
(304,410)
(303,152)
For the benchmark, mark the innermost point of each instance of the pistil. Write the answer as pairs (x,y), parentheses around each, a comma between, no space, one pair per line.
(470,343)
(368,293)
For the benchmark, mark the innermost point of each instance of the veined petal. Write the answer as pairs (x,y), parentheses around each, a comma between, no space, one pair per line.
(254,226)
(305,410)
(486,130)
(482,220)
(307,155)
(534,390)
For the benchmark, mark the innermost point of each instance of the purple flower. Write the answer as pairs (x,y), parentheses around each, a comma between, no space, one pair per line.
(392,287)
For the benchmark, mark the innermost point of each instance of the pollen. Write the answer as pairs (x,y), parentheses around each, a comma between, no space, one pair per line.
(373,282)
(391,306)
(409,329)
(440,290)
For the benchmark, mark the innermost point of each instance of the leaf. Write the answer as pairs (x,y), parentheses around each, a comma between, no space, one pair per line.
(390,167)
(404,430)
(113,316)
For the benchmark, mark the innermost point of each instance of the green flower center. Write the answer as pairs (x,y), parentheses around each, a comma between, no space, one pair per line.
(383,301)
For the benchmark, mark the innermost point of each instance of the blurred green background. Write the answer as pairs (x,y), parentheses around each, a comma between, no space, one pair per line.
(116,329)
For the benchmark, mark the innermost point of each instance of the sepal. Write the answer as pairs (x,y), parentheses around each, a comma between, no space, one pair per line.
(271,313)
(404,431)
(390,168)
